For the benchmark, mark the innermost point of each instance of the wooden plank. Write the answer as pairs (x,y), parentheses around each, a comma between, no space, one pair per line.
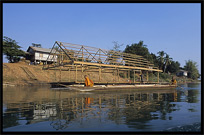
(117,66)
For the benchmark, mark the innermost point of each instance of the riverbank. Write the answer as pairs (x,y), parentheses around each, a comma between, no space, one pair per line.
(21,73)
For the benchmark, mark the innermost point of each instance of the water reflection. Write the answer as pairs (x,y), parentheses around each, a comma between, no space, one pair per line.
(70,110)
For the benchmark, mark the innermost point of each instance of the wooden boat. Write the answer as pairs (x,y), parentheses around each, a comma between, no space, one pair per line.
(78,87)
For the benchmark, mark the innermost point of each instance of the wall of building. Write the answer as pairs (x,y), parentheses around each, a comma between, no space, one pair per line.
(43,57)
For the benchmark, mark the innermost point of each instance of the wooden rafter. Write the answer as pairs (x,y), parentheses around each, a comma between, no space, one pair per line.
(82,59)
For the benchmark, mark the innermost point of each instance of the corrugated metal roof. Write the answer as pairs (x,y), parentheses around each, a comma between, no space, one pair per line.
(38,49)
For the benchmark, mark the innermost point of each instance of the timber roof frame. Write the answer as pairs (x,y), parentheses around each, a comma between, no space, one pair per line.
(74,54)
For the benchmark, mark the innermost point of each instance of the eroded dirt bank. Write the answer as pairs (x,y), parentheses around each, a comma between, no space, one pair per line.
(23,74)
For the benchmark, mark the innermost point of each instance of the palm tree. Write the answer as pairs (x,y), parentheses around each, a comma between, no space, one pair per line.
(167,60)
(161,59)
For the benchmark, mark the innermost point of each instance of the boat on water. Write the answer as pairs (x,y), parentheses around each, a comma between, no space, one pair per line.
(79,87)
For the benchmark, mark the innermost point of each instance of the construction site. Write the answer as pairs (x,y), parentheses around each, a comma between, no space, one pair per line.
(84,60)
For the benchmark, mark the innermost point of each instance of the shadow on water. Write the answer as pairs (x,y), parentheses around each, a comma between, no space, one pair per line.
(125,110)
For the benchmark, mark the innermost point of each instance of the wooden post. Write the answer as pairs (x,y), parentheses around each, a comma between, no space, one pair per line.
(147,76)
(134,76)
(76,74)
(82,70)
(82,53)
(60,75)
(158,77)
(129,74)
(115,75)
(118,75)
(69,75)
(49,75)
(85,70)
(99,74)
(140,74)
(125,75)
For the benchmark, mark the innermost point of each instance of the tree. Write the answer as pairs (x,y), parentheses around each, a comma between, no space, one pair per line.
(173,67)
(154,60)
(114,54)
(12,50)
(139,49)
(191,67)
(161,59)
(116,46)
(167,60)
(36,45)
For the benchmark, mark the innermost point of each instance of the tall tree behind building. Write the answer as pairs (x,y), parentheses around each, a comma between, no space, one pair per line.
(36,45)
(12,50)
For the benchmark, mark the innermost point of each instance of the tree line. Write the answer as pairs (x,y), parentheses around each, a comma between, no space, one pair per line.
(162,60)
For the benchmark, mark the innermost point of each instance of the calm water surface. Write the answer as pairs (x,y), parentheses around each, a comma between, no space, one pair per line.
(44,109)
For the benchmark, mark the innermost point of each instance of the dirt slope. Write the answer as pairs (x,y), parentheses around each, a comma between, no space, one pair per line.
(23,74)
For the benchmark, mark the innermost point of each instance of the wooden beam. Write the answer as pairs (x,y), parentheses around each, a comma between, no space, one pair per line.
(117,66)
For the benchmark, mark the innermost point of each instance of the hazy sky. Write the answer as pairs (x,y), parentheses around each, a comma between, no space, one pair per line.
(174,28)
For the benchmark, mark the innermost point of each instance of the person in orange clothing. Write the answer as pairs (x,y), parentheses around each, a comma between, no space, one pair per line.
(88,82)
(173,81)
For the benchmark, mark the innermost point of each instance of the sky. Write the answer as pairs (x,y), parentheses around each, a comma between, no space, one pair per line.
(174,28)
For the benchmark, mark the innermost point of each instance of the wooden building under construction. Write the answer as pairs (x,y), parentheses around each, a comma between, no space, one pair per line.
(84,59)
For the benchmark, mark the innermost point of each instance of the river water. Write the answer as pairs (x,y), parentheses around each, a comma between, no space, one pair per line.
(44,109)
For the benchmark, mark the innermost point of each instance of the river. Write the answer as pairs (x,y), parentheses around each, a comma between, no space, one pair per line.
(43,109)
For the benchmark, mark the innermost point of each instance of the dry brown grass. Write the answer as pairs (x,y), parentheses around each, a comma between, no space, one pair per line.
(14,74)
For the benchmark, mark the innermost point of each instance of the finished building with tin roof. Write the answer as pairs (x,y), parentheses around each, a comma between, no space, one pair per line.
(38,55)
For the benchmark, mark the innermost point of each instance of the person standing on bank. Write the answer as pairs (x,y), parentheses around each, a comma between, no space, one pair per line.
(88,82)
